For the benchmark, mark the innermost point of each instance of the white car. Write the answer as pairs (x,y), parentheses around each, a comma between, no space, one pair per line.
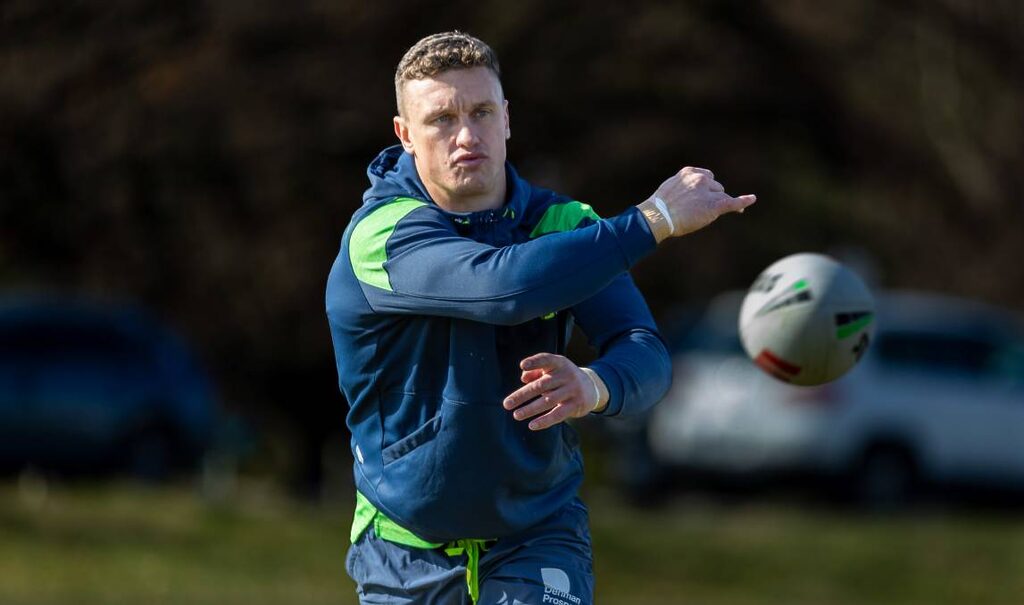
(938,399)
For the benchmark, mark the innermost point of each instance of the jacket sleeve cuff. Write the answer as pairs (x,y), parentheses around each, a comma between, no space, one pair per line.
(633,235)
(614,385)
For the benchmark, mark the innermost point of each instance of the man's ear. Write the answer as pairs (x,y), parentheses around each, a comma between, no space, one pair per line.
(402,132)
(508,128)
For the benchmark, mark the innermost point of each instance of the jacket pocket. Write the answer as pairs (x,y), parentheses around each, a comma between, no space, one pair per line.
(413,440)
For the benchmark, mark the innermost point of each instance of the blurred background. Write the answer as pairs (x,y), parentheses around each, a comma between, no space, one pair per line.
(175,179)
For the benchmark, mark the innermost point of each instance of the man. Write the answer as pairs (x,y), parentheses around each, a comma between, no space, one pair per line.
(450,304)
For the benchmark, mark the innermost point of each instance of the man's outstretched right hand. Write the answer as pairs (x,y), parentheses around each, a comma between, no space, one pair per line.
(693,199)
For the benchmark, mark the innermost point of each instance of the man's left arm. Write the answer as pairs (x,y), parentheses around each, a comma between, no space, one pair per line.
(633,367)
(632,362)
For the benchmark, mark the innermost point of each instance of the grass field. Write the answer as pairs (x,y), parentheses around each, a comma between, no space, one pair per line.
(124,544)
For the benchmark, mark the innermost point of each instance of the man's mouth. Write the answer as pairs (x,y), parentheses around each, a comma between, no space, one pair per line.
(470,160)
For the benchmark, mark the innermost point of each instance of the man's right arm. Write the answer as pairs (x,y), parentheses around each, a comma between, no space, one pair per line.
(409,259)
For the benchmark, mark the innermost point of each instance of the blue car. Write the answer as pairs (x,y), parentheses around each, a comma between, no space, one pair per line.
(89,388)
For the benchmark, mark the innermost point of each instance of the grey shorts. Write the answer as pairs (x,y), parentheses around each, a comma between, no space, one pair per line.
(549,563)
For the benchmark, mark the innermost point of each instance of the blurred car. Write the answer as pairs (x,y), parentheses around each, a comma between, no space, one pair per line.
(96,389)
(937,400)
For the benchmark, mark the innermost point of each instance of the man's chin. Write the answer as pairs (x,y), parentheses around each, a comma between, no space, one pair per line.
(473,184)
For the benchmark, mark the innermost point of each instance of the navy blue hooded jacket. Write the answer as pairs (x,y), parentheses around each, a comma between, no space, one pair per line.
(431,313)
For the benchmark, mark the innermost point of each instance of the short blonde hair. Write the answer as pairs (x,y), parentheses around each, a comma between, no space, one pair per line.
(442,52)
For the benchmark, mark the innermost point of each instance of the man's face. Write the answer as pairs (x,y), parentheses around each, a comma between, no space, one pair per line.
(455,125)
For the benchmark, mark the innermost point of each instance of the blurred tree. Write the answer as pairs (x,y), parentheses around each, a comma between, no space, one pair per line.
(204,157)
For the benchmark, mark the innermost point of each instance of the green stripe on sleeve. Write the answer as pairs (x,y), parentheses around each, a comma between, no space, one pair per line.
(366,247)
(563,217)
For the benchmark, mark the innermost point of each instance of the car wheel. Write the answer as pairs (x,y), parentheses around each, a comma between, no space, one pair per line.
(886,479)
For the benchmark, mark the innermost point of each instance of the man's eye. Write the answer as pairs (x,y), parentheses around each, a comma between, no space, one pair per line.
(482,113)
(443,119)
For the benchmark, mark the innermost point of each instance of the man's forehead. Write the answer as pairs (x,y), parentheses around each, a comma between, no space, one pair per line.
(472,86)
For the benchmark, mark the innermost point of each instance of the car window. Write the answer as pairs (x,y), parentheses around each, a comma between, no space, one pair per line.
(938,352)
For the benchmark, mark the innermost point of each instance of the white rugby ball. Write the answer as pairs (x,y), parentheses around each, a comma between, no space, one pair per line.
(807,319)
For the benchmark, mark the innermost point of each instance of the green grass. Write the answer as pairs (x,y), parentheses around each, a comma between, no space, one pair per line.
(132,545)
(126,544)
(768,554)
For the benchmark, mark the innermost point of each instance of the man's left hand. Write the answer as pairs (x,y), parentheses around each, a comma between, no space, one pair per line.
(556,388)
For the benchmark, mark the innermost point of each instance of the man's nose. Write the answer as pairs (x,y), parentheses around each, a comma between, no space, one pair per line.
(466,135)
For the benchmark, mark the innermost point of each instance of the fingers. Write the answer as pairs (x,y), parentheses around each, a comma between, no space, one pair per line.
(700,177)
(559,413)
(531,375)
(560,404)
(532,390)
(693,169)
(537,370)
(694,200)
(543,403)
(553,391)
(725,203)
(739,204)
(542,361)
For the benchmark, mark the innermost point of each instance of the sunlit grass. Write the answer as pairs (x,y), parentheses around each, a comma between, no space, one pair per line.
(773,553)
(128,544)
(134,545)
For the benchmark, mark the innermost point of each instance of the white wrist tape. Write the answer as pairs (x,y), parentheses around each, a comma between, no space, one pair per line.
(592,375)
(663,209)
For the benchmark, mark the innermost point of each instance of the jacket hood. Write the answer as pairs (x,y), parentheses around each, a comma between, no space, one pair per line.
(393,174)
